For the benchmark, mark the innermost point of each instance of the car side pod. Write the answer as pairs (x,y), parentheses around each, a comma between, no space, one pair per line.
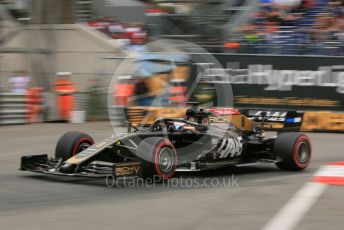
(31,162)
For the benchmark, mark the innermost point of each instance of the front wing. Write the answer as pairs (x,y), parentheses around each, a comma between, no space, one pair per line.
(96,169)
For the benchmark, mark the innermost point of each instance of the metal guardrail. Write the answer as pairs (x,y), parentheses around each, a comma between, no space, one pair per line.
(13,109)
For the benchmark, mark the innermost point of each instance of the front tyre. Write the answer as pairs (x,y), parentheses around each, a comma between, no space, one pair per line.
(72,143)
(158,156)
(294,150)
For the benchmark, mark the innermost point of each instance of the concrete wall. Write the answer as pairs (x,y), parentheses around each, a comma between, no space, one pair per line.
(74,48)
(52,11)
(123,10)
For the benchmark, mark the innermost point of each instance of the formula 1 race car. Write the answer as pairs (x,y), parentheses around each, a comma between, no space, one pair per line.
(202,139)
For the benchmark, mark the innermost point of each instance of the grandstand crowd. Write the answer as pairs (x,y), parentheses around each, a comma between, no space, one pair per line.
(289,27)
(129,35)
(305,27)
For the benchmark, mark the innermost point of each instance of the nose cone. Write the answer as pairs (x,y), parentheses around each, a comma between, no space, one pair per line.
(67,168)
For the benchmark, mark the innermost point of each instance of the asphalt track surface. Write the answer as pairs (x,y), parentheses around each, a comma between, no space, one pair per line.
(246,198)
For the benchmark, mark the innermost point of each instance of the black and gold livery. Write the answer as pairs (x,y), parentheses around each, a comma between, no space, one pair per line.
(199,139)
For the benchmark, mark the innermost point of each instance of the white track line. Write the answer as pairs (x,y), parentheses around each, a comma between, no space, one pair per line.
(297,207)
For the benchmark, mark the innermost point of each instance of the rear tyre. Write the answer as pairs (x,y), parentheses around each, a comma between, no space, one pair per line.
(294,151)
(159,158)
(72,143)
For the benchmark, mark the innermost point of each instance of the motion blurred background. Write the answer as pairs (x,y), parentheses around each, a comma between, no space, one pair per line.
(61,60)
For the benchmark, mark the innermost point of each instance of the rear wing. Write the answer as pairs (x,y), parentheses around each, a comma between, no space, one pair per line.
(276,119)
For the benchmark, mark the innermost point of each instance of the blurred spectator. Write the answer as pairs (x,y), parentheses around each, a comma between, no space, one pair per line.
(100,24)
(35,105)
(19,83)
(116,30)
(127,34)
(65,90)
(123,92)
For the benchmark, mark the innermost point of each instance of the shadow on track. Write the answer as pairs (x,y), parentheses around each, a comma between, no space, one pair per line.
(248,173)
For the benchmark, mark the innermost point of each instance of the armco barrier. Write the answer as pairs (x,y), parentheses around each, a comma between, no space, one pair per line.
(13,108)
(21,108)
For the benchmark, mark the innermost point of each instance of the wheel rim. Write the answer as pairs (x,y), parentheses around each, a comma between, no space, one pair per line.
(303,152)
(166,160)
(82,147)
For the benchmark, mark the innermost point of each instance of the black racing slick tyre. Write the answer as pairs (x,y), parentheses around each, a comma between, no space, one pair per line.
(158,157)
(294,151)
(72,143)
